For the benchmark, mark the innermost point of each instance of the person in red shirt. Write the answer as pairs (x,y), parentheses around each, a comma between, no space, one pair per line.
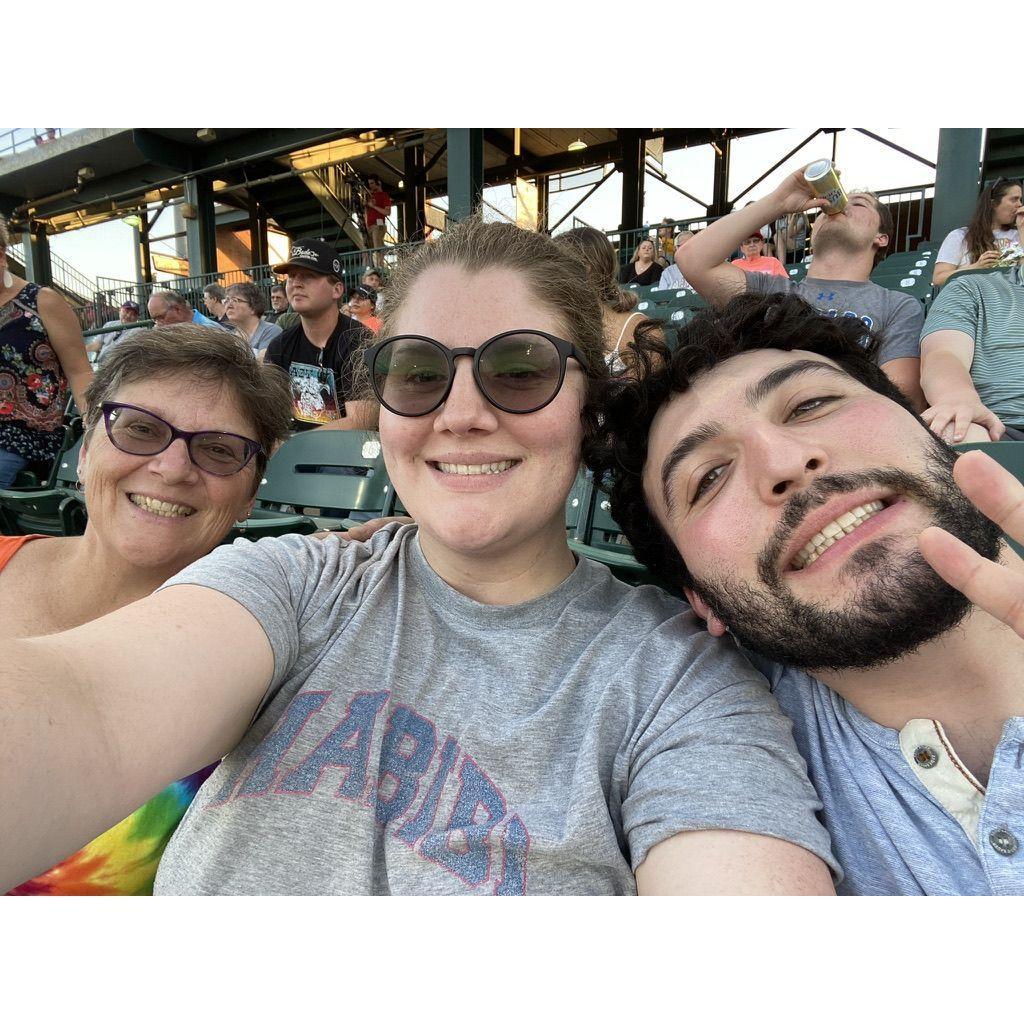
(754,262)
(378,206)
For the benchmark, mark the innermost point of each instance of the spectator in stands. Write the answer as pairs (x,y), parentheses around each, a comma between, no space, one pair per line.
(773,472)
(666,242)
(42,356)
(754,262)
(620,319)
(643,269)
(150,515)
(362,302)
(278,303)
(992,229)
(791,238)
(971,367)
(243,303)
(500,717)
(213,300)
(671,276)
(167,308)
(846,247)
(318,352)
(373,279)
(127,315)
(378,208)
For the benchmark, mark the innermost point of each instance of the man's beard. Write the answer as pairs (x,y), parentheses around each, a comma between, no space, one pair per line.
(901,602)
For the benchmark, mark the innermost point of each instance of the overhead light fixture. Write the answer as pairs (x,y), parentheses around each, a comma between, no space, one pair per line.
(132,220)
(575,147)
(86,173)
(206,134)
(401,183)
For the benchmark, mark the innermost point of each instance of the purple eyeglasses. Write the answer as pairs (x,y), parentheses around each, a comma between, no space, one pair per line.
(138,431)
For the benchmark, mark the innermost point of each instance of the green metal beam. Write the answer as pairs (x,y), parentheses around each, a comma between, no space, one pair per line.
(201,229)
(956,179)
(37,257)
(632,167)
(465,171)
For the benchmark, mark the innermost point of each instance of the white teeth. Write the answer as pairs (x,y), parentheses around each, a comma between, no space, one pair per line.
(845,524)
(475,469)
(160,508)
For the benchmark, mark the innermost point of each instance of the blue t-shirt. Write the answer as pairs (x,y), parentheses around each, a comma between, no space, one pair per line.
(905,816)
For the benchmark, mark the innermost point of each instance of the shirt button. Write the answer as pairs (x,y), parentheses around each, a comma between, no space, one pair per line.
(926,757)
(1003,841)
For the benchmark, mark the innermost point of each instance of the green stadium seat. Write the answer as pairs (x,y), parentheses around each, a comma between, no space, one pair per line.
(265,523)
(328,474)
(596,535)
(56,510)
(1009,455)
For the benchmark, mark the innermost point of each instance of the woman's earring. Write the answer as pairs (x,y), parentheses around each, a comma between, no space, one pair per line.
(8,280)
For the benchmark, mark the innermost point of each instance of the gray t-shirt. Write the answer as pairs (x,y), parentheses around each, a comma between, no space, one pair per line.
(894,317)
(415,741)
(264,334)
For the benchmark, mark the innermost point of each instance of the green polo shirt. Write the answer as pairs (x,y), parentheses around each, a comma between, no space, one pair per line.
(988,305)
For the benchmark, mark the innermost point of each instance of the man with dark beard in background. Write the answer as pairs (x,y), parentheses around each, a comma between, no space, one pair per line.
(772,469)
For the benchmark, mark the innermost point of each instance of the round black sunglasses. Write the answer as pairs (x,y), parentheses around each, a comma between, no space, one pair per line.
(516,371)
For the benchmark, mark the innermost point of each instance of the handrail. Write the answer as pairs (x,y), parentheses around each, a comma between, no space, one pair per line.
(10,143)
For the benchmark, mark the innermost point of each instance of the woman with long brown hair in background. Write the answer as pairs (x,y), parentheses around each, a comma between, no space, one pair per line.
(980,245)
(622,323)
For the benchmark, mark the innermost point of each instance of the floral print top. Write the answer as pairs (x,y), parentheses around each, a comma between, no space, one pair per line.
(33,388)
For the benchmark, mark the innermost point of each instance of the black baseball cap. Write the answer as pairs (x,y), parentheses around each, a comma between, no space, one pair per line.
(128,304)
(365,291)
(311,254)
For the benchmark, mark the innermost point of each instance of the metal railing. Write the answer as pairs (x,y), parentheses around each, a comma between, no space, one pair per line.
(910,208)
(15,140)
(63,275)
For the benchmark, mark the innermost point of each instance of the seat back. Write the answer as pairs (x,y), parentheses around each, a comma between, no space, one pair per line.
(340,470)
(1009,455)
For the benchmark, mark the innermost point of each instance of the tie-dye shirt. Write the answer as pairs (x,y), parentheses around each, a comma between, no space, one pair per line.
(122,861)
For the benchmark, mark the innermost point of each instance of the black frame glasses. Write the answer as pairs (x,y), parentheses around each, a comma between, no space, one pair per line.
(111,411)
(565,350)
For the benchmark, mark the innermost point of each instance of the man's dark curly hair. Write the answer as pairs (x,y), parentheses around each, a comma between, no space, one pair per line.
(618,451)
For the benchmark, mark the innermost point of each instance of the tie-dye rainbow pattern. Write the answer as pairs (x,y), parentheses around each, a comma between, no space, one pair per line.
(122,861)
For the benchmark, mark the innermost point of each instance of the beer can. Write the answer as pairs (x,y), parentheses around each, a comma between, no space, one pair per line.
(823,179)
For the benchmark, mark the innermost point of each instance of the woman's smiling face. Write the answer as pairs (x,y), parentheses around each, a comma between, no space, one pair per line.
(435,460)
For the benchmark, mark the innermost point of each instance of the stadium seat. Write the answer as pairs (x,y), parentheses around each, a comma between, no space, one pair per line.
(1009,455)
(596,535)
(57,510)
(328,475)
(265,523)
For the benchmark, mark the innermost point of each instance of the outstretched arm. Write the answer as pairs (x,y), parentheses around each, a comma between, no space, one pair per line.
(98,719)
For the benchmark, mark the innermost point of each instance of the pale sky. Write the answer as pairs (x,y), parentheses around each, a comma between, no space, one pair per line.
(106,249)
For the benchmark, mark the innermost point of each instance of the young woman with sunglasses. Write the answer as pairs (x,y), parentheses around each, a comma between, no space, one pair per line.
(154,507)
(456,706)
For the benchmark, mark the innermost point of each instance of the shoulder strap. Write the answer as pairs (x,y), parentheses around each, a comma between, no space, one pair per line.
(622,333)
